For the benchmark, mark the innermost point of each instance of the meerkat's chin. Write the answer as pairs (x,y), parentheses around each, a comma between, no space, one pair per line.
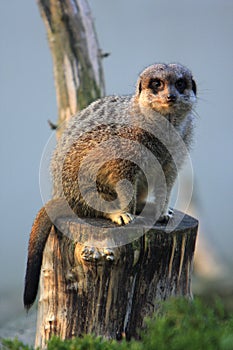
(170,109)
(164,108)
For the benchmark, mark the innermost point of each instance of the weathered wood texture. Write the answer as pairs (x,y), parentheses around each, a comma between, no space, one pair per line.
(78,72)
(110,291)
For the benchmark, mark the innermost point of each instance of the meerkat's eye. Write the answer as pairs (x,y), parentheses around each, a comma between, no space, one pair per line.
(156,85)
(181,85)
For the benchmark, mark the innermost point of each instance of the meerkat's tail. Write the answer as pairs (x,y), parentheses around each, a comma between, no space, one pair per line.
(38,237)
(41,228)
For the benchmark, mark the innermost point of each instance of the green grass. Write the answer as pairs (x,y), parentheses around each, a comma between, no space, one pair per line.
(178,325)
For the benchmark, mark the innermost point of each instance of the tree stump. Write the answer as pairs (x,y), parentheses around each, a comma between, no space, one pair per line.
(90,286)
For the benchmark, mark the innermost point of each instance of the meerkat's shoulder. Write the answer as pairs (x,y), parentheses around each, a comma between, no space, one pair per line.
(114,106)
(107,101)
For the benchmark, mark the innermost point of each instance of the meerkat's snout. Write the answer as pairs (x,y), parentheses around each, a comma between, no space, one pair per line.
(171,98)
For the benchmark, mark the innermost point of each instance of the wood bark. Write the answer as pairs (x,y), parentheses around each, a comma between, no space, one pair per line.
(87,287)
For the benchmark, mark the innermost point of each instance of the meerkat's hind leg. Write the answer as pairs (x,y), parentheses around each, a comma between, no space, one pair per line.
(123,213)
(117,188)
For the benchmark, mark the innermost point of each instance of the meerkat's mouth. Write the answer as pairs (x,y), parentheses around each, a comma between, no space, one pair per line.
(165,107)
(170,103)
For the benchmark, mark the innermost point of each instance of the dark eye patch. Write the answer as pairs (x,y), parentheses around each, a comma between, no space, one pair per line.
(156,85)
(181,85)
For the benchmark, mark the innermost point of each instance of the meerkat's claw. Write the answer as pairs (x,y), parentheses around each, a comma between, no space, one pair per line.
(164,218)
(170,212)
(121,218)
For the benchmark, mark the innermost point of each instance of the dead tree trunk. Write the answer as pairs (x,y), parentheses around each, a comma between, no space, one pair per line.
(101,289)
(109,291)
(78,72)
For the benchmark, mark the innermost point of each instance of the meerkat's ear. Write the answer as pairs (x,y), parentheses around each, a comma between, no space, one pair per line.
(139,87)
(194,86)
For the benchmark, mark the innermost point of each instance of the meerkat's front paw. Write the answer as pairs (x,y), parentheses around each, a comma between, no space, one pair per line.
(164,218)
(121,218)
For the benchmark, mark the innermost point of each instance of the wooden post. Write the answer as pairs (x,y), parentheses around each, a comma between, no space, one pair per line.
(89,287)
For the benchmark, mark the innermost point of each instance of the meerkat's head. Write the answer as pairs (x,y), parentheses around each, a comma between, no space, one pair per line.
(168,89)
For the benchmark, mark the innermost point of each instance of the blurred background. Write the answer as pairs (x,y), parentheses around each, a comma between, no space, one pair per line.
(196,33)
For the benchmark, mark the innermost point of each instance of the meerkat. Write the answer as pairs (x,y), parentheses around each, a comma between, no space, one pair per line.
(105,144)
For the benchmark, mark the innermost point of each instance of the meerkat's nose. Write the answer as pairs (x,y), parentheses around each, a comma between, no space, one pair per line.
(171,97)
